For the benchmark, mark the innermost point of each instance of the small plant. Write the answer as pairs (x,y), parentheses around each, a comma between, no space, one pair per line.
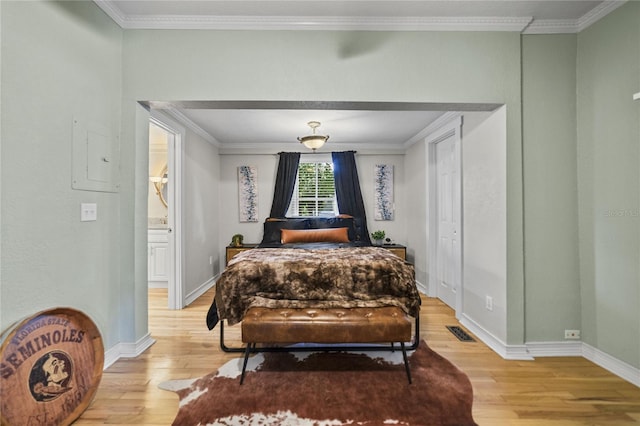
(378,235)
(236,240)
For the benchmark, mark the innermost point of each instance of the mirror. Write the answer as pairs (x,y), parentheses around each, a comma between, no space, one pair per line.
(160,184)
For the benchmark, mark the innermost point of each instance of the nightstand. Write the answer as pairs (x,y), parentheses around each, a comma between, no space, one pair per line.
(397,249)
(232,251)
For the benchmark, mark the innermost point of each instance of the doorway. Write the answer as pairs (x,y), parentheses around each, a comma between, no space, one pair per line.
(445,214)
(157,208)
(168,191)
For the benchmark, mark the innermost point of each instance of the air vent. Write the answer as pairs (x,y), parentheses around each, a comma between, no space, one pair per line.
(462,335)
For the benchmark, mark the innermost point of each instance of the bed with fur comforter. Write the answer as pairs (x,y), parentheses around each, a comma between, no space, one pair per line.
(344,277)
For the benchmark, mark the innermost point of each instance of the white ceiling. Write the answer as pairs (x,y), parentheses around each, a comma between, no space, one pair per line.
(251,126)
(272,126)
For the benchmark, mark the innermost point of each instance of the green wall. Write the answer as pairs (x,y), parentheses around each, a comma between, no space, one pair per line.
(581,263)
(608,177)
(552,283)
(59,61)
(332,66)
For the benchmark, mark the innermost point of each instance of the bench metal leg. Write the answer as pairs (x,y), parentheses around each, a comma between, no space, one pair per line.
(406,362)
(246,358)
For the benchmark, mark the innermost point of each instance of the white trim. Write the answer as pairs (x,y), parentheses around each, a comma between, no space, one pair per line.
(422,288)
(614,365)
(598,12)
(532,350)
(546,349)
(442,120)
(202,289)
(112,10)
(570,26)
(270,148)
(127,350)
(441,131)
(522,24)
(175,191)
(512,352)
(319,23)
(636,96)
(552,26)
(178,115)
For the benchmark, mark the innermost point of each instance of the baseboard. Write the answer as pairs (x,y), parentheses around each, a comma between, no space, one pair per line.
(422,288)
(545,349)
(132,350)
(127,350)
(202,289)
(620,368)
(514,352)
(532,350)
(158,284)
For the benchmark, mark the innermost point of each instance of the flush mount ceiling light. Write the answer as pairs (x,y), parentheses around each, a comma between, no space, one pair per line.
(313,141)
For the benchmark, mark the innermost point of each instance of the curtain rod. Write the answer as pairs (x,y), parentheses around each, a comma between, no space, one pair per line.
(287,152)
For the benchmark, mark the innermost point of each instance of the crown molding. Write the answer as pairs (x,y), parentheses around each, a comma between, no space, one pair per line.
(573,26)
(186,121)
(318,23)
(113,11)
(552,26)
(598,12)
(525,25)
(327,23)
(433,126)
(273,148)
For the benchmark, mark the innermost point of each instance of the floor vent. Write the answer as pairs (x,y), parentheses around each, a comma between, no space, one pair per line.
(462,335)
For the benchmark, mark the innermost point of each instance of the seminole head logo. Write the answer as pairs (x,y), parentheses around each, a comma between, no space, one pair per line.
(50,376)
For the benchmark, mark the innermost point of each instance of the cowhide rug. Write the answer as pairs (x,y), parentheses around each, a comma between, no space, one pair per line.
(327,389)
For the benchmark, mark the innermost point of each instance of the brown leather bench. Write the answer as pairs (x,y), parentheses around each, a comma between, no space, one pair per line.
(307,325)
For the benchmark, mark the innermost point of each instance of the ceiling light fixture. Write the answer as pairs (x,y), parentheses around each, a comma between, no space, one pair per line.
(313,141)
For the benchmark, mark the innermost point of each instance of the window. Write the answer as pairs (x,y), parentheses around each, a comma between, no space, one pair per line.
(315,192)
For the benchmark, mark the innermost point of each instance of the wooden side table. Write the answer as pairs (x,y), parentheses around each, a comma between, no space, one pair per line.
(232,251)
(397,249)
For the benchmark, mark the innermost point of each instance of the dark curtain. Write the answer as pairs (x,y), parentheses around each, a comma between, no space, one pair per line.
(348,192)
(285,183)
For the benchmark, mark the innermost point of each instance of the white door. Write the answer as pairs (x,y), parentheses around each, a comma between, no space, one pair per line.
(448,217)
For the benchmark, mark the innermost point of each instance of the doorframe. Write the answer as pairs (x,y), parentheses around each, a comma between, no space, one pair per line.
(452,128)
(175,150)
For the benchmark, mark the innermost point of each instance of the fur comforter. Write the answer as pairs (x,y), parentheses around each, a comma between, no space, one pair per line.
(320,278)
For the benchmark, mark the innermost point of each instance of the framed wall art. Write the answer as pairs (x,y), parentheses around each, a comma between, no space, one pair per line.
(383,192)
(248,193)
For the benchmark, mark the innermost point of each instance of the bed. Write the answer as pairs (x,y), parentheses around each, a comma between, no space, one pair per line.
(313,263)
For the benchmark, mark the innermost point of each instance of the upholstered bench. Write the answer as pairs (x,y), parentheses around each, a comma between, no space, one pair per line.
(306,325)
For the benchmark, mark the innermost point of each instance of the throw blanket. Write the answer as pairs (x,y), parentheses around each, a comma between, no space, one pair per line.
(320,278)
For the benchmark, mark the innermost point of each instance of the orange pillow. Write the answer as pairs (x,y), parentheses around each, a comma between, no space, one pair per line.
(324,235)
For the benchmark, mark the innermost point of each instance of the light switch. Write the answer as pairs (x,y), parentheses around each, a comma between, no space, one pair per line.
(88,212)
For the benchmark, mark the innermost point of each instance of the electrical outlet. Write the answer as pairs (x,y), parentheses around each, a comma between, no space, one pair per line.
(489,303)
(572,334)
(210,260)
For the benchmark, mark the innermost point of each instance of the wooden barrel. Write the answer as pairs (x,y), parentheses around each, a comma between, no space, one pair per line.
(50,368)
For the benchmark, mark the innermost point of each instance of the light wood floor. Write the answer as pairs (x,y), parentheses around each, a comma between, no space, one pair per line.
(547,391)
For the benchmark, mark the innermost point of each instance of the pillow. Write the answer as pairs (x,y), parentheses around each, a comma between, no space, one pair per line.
(325,235)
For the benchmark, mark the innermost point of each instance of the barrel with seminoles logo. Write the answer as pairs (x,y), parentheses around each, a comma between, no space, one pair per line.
(50,368)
